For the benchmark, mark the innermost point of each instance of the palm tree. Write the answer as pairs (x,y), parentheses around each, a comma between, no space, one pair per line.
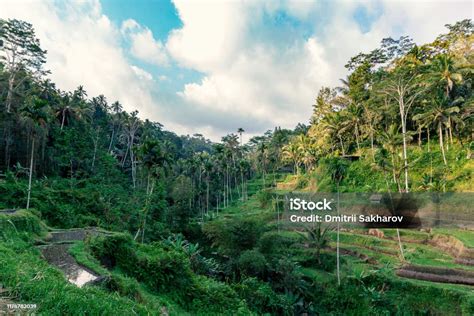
(116,108)
(306,149)
(337,169)
(262,157)
(391,139)
(240,130)
(442,71)
(438,114)
(73,105)
(353,121)
(333,124)
(131,125)
(152,156)
(291,152)
(34,114)
(317,238)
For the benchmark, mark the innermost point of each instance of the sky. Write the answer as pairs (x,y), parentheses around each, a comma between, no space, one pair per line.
(213,66)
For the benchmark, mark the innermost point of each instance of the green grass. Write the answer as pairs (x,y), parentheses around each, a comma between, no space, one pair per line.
(32,280)
(465,236)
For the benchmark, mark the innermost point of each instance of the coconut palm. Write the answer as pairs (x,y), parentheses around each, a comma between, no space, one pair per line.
(116,108)
(152,156)
(353,121)
(337,168)
(240,131)
(442,71)
(34,114)
(334,126)
(317,237)
(439,114)
(391,139)
(291,152)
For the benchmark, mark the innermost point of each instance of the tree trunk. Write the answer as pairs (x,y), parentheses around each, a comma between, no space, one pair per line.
(450,129)
(63,119)
(337,242)
(132,160)
(428,133)
(441,145)
(112,138)
(242,184)
(96,141)
(8,103)
(372,144)
(357,137)
(147,206)
(405,158)
(419,136)
(31,173)
(125,157)
(207,196)
(8,141)
(342,146)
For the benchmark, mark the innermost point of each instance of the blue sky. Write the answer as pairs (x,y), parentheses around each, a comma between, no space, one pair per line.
(213,66)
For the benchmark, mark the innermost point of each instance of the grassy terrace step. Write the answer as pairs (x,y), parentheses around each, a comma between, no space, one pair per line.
(436,274)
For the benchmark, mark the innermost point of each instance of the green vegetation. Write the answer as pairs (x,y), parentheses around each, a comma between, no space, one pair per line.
(187,226)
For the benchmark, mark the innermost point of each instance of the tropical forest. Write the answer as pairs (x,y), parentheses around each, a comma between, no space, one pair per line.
(105,212)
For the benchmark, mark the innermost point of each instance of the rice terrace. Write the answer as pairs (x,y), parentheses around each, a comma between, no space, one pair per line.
(236,157)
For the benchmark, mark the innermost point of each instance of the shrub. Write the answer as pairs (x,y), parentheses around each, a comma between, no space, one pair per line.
(286,276)
(159,268)
(21,221)
(261,299)
(212,297)
(233,237)
(272,243)
(264,197)
(252,263)
(112,250)
(124,286)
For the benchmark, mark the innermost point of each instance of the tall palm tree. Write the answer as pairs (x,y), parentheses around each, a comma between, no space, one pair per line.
(73,105)
(333,124)
(131,126)
(34,114)
(391,139)
(306,151)
(337,168)
(291,152)
(240,130)
(152,156)
(353,121)
(439,114)
(443,71)
(116,108)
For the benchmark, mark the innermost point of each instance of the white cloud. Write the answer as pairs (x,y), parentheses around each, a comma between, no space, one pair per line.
(255,75)
(143,44)
(84,49)
(276,77)
(141,73)
(210,34)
